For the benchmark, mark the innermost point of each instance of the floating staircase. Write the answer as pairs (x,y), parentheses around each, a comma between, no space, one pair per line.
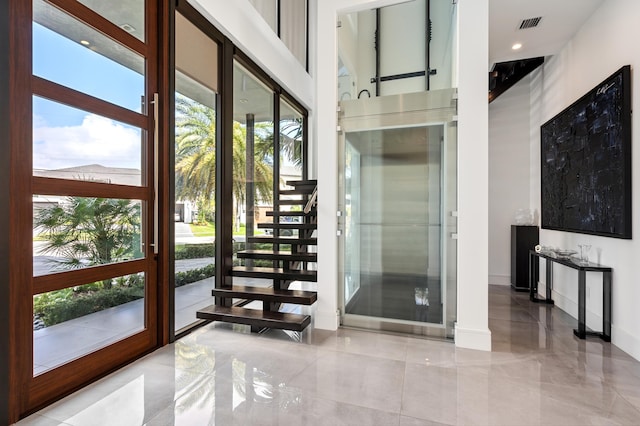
(294,229)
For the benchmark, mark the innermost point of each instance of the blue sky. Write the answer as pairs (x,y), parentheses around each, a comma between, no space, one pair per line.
(65,136)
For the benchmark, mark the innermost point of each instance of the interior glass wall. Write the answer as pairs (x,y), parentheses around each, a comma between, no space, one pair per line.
(196,141)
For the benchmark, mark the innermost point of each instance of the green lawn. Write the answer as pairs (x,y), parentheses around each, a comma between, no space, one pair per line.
(209,230)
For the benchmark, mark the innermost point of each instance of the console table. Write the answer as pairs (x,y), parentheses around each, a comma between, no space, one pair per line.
(582,269)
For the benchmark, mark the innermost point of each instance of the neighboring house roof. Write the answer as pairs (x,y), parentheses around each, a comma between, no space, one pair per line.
(95,173)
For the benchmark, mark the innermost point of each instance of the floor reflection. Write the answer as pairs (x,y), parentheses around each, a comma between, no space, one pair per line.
(537,374)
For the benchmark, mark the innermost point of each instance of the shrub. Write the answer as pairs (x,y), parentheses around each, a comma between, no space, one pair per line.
(195,251)
(64,305)
(193,275)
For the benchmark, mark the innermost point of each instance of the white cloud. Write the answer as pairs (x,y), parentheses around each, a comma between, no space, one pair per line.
(98,140)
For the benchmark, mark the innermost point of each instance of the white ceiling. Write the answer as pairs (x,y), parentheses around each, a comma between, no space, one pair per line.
(561,19)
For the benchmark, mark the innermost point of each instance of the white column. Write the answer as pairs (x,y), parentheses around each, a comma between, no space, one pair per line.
(325,137)
(472,329)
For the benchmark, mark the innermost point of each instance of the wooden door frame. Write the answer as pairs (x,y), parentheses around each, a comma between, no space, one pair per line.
(6,130)
(26,393)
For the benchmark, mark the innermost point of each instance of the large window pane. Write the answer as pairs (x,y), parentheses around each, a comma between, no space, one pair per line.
(196,83)
(253,171)
(268,9)
(291,143)
(293,28)
(76,232)
(194,216)
(69,143)
(76,321)
(127,14)
(108,70)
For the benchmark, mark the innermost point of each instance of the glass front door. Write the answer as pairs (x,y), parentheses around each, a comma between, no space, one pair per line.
(93,291)
(397,210)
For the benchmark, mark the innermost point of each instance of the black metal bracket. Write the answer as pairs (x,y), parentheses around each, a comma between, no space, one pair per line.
(402,76)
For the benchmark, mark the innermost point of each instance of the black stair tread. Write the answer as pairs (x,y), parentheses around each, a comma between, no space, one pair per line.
(283,240)
(302,182)
(277,255)
(268,294)
(285,213)
(293,202)
(303,190)
(274,273)
(288,225)
(270,319)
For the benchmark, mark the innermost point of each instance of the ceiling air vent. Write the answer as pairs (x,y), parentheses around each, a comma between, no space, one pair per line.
(530,23)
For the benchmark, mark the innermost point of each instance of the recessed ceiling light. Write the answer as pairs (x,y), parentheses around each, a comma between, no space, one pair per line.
(516,46)
(128,28)
(84,42)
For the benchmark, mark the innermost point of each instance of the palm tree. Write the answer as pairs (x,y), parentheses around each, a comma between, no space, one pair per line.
(291,140)
(196,156)
(195,150)
(262,169)
(90,231)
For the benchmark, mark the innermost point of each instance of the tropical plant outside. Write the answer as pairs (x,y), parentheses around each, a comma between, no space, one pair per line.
(196,157)
(291,140)
(83,232)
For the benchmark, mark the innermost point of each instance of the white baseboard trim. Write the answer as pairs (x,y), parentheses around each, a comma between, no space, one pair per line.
(500,279)
(619,337)
(326,320)
(625,341)
(473,338)
(594,320)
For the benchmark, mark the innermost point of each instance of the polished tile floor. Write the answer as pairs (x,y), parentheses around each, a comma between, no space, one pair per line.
(537,374)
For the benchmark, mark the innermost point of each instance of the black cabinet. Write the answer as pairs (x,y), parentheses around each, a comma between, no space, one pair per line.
(523,239)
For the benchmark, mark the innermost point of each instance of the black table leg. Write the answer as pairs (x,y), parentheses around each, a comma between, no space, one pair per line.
(549,281)
(581,332)
(533,284)
(533,296)
(606,306)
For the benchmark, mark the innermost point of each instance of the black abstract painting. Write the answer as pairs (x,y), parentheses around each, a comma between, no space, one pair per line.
(586,162)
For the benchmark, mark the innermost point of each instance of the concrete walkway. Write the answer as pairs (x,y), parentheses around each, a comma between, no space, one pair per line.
(60,343)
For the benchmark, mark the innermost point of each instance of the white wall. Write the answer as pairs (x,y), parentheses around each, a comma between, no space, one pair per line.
(509,173)
(604,44)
